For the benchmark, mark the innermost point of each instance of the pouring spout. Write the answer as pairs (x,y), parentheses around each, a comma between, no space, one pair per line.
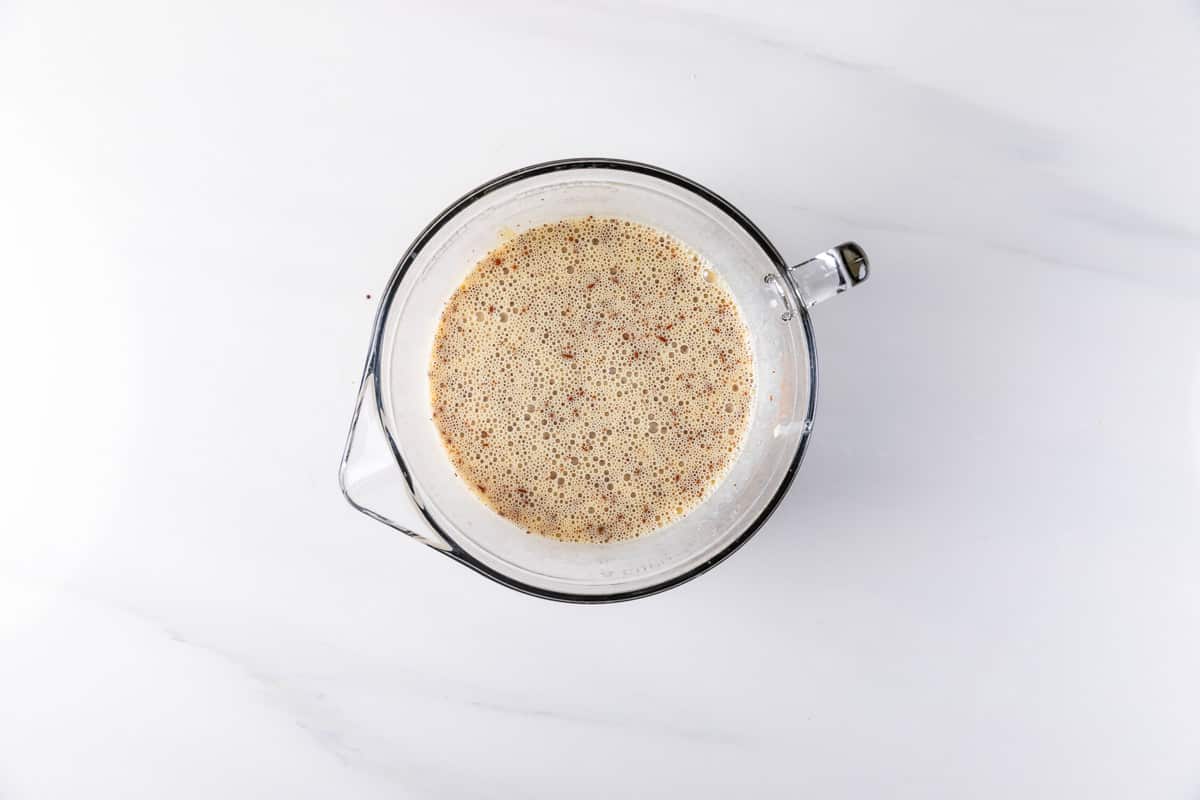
(373,479)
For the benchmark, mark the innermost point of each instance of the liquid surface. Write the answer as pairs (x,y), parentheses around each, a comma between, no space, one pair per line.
(592,379)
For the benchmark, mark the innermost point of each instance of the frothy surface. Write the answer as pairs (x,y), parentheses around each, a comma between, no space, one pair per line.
(592,379)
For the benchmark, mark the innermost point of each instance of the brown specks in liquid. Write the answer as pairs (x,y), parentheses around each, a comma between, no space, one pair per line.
(595,375)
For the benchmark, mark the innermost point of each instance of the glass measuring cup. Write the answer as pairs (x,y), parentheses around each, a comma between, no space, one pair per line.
(395,470)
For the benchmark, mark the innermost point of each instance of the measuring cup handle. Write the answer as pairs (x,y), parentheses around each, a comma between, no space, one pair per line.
(829,273)
(372,478)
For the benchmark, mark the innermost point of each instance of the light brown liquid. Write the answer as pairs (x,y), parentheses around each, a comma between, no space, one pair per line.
(592,379)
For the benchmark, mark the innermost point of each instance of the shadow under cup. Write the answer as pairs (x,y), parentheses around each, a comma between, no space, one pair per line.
(455,520)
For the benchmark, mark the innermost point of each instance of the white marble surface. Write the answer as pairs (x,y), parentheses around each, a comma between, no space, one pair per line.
(984,583)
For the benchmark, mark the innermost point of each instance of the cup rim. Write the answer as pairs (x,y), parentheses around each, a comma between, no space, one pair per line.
(456,551)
